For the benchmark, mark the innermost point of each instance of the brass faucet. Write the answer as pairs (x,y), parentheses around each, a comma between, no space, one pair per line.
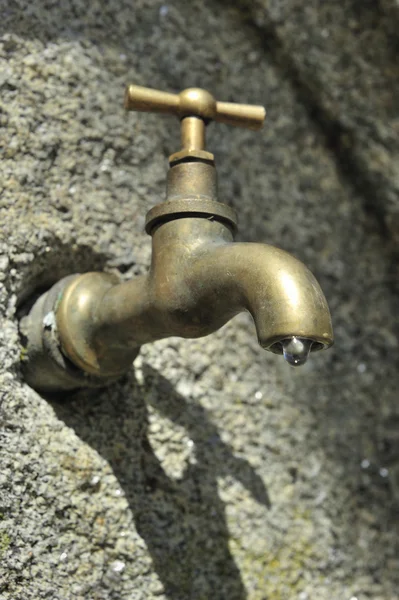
(87,329)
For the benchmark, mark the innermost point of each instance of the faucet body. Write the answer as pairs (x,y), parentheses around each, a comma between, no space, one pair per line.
(88,328)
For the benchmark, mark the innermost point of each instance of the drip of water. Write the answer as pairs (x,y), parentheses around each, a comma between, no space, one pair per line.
(296,350)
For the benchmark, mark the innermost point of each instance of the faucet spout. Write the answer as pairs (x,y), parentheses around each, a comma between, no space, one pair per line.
(199,279)
(280,293)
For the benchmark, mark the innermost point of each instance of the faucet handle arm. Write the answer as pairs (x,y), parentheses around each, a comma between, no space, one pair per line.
(143,99)
(194,102)
(249,116)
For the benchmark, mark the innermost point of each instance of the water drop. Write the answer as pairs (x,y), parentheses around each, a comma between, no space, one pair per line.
(296,350)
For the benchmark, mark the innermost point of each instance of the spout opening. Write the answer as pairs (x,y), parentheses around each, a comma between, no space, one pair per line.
(296,349)
(277,347)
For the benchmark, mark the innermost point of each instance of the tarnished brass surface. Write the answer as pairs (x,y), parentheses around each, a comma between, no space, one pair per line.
(194,102)
(191,191)
(192,179)
(177,209)
(196,108)
(193,153)
(76,325)
(199,278)
(193,133)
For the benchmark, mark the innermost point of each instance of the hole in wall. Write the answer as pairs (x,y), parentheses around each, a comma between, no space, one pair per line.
(28,278)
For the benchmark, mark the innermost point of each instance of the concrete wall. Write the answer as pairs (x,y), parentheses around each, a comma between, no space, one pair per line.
(212,470)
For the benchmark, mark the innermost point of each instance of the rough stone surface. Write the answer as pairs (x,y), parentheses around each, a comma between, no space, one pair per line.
(212,470)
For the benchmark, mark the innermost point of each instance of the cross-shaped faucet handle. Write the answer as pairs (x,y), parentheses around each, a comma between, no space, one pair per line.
(194,102)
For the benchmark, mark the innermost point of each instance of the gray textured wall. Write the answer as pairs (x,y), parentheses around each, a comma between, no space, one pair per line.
(213,470)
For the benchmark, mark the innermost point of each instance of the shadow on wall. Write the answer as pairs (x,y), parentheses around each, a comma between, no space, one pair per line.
(181,520)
